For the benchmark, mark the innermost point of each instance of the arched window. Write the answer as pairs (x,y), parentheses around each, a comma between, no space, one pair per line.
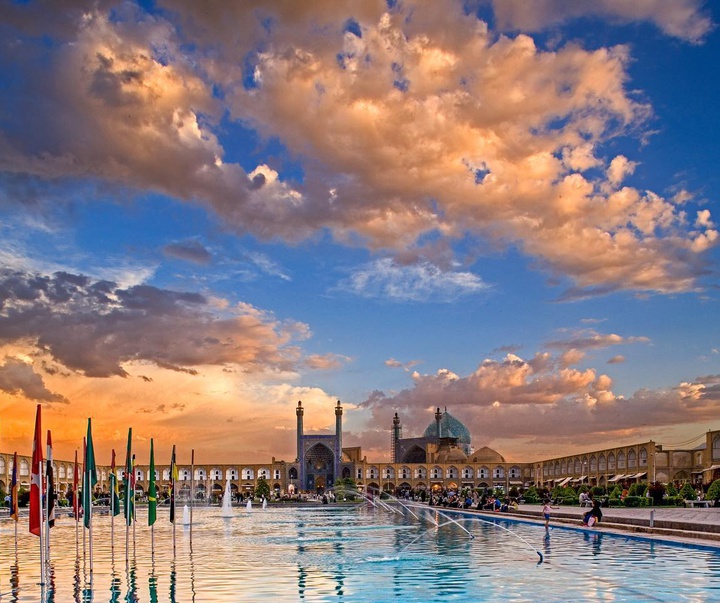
(483,473)
(24,469)
(388,473)
(578,466)
(293,473)
(632,459)
(200,474)
(716,448)
(452,473)
(643,457)
(593,464)
(276,474)
(467,473)
(404,472)
(499,472)
(621,460)
(248,473)
(139,475)
(421,473)
(359,473)
(372,473)
(215,474)
(563,468)
(436,473)
(264,473)
(514,472)
(184,475)
(611,462)
(602,463)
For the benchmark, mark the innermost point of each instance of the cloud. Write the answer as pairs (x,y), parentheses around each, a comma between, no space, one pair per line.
(96,327)
(386,279)
(405,134)
(682,18)
(589,339)
(19,378)
(513,400)
(191,251)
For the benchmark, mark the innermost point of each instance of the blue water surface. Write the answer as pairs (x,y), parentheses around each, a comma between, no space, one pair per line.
(349,554)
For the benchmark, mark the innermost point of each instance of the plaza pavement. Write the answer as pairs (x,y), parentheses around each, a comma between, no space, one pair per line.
(693,525)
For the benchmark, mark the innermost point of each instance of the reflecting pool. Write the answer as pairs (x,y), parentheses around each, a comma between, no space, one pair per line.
(350,554)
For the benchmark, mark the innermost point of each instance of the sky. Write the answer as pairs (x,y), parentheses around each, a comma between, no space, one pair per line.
(210,211)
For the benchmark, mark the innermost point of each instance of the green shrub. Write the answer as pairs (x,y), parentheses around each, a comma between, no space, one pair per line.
(671,490)
(598,491)
(635,501)
(531,495)
(713,492)
(616,493)
(687,492)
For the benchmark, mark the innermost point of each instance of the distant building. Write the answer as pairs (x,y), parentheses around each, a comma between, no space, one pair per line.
(442,458)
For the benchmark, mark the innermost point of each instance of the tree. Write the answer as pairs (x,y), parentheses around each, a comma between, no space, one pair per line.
(687,492)
(345,488)
(262,488)
(713,492)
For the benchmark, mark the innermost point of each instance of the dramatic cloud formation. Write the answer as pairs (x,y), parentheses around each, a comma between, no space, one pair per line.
(423,134)
(212,210)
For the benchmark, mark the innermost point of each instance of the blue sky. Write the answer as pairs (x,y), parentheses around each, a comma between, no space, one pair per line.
(502,207)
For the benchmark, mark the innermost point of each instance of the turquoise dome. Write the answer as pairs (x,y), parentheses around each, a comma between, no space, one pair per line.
(450,427)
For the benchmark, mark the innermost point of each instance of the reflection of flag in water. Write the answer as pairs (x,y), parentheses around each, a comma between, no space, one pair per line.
(152,494)
(90,477)
(114,491)
(36,487)
(173,481)
(128,483)
(14,491)
(50,493)
(76,488)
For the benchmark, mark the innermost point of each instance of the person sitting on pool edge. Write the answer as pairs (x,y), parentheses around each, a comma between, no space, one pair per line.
(593,516)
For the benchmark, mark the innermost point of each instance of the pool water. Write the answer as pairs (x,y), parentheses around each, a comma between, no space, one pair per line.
(350,554)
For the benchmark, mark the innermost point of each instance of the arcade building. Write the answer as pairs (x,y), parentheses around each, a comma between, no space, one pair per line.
(442,458)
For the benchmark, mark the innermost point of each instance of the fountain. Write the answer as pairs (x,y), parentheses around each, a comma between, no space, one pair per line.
(248,506)
(186,515)
(227,501)
(264,505)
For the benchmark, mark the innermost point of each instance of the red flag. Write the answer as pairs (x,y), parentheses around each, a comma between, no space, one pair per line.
(50,489)
(36,486)
(76,493)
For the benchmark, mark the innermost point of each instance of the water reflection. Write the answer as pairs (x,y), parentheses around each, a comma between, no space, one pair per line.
(354,555)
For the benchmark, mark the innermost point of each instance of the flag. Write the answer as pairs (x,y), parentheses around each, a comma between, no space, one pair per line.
(114,492)
(129,500)
(36,486)
(173,479)
(89,476)
(76,488)
(152,494)
(50,483)
(14,491)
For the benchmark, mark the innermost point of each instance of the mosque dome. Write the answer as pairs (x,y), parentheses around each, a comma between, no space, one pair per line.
(450,427)
(487,455)
(450,455)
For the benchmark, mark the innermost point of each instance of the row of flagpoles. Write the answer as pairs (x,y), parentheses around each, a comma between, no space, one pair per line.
(42,497)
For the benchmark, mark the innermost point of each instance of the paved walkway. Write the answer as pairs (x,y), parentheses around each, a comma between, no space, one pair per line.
(697,525)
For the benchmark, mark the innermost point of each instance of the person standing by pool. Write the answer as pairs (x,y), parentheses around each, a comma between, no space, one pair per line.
(546,511)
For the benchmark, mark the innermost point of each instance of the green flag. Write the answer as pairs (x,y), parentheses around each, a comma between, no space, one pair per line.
(129,483)
(114,491)
(152,494)
(89,476)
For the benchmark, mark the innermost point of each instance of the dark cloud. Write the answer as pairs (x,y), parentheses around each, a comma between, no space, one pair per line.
(93,327)
(19,378)
(191,251)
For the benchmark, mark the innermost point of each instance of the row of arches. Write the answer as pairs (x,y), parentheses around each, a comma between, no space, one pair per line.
(598,463)
(437,472)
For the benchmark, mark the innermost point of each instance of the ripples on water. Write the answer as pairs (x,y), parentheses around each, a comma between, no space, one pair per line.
(349,555)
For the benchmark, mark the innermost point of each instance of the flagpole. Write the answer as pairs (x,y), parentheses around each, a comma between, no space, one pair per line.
(192,489)
(42,544)
(84,486)
(76,506)
(134,510)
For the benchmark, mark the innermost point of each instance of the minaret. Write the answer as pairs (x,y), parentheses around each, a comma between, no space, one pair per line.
(338,439)
(438,417)
(299,412)
(396,435)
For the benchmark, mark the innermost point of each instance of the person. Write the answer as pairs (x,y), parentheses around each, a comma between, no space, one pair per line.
(593,516)
(546,511)
(583,498)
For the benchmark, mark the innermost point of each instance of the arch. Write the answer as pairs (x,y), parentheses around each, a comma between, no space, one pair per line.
(293,473)
(467,472)
(621,460)
(248,473)
(452,472)
(563,468)
(716,448)
(415,454)
(388,472)
(231,473)
(215,473)
(483,473)
(420,473)
(593,464)
(611,462)
(514,472)
(436,472)
(643,456)
(602,463)
(345,473)
(24,468)
(372,472)
(577,466)
(631,459)
(499,472)
(404,472)
(200,474)
(264,473)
